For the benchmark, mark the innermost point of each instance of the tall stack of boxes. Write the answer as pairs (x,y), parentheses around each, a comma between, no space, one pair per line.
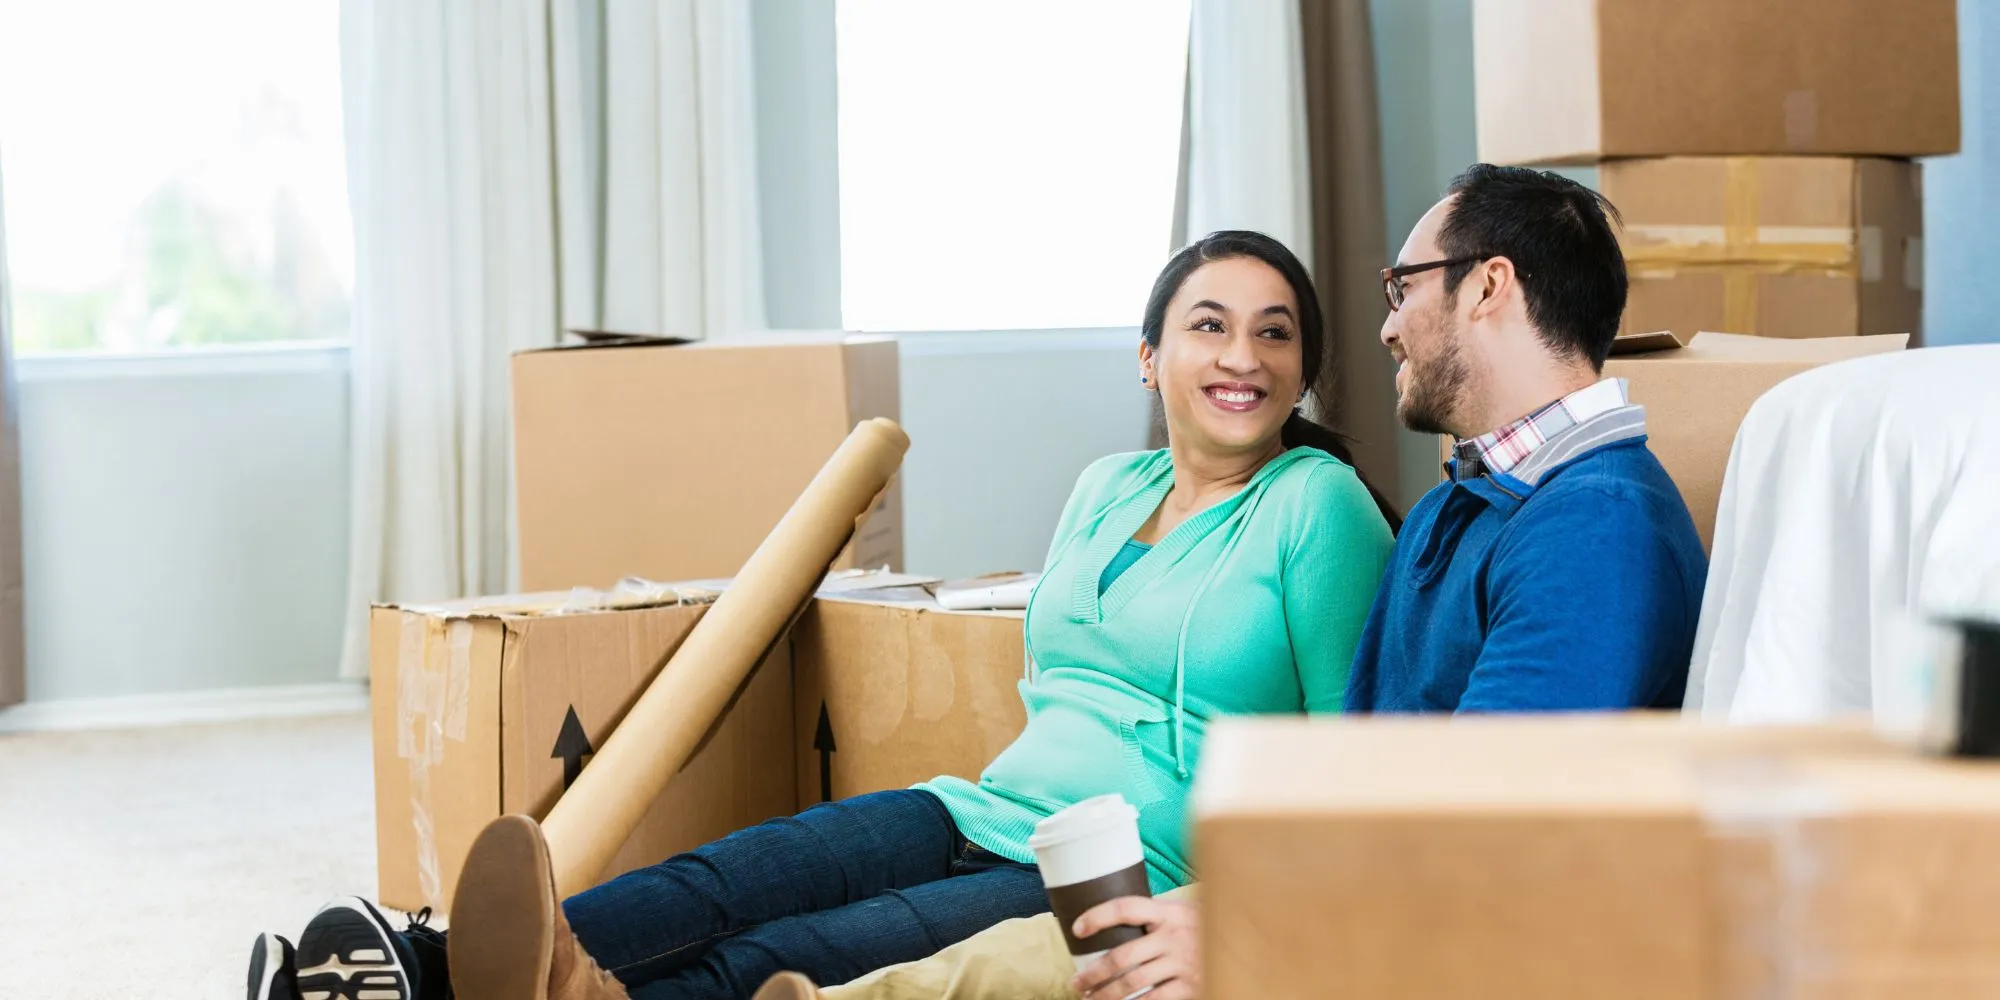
(1761,155)
(1759,149)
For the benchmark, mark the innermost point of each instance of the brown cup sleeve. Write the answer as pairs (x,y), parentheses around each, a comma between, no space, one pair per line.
(1072,901)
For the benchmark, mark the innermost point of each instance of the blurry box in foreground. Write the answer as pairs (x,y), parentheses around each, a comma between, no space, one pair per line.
(1696,393)
(1577,81)
(672,461)
(892,689)
(493,705)
(1582,858)
(1784,246)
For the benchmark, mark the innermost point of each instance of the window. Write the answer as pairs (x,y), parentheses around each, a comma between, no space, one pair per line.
(1006,165)
(173,172)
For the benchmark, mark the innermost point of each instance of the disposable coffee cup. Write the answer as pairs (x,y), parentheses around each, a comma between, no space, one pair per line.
(1090,854)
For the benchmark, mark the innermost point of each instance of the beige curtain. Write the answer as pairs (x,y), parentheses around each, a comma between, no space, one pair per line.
(1246,157)
(1320,121)
(450,177)
(1344,156)
(516,167)
(13,652)
(1243,128)
(654,130)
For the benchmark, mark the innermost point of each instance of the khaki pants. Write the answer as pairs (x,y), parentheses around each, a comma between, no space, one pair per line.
(1023,959)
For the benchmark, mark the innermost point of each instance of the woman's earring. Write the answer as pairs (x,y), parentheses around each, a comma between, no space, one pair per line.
(1143,381)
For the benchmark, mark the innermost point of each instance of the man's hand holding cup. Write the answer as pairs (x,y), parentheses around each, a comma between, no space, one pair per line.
(1163,965)
(1124,942)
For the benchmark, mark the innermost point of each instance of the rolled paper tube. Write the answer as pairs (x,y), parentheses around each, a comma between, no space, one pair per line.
(599,812)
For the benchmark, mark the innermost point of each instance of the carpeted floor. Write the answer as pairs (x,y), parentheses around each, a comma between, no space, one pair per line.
(142,863)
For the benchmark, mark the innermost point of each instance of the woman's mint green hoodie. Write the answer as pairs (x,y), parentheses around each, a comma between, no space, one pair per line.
(1251,606)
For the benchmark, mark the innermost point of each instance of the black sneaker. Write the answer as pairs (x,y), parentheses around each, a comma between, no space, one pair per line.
(273,973)
(425,952)
(348,952)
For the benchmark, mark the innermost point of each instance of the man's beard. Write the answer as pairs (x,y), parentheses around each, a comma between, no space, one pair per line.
(1436,388)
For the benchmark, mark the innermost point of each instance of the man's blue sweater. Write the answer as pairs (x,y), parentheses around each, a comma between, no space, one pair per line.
(1577,591)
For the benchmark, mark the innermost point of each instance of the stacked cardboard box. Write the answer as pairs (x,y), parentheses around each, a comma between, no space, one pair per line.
(649,457)
(1759,149)
(1777,246)
(1588,857)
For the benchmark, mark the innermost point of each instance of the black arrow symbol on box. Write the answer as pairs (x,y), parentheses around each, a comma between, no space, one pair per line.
(823,742)
(572,745)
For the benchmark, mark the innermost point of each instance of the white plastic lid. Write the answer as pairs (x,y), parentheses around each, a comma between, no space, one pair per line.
(1088,818)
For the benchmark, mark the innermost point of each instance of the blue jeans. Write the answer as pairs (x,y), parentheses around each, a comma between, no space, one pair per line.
(835,892)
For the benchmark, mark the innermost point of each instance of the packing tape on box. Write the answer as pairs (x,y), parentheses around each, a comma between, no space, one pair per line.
(1811,897)
(633,593)
(432,701)
(458,678)
(1740,250)
(1766,858)
(1791,866)
(1801,110)
(1767,249)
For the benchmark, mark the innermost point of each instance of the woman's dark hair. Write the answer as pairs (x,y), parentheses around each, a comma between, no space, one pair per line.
(1234,244)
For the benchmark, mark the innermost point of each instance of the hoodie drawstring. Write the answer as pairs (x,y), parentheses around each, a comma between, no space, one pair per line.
(1238,520)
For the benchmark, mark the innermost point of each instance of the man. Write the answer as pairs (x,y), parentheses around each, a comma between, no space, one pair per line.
(1557,569)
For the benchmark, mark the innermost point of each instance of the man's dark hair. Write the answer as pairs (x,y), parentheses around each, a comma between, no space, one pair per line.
(1559,236)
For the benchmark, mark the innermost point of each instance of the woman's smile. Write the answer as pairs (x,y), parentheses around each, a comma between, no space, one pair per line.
(1235,397)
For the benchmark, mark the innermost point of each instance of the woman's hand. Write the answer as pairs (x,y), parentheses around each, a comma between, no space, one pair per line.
(1163,965)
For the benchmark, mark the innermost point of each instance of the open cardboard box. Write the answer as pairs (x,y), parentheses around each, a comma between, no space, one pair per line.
(493,705)
(1696,395)
(893,689)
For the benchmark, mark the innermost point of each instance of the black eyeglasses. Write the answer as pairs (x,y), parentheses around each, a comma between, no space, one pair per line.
(1392,277)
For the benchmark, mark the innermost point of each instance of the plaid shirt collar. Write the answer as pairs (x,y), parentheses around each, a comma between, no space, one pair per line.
(1505,449)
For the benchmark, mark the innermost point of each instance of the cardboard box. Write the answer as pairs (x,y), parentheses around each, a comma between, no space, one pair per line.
(1584,858)
(892,690)
(1697,395)
(1773,246)
(671,461)
(491,706)
(1576,81)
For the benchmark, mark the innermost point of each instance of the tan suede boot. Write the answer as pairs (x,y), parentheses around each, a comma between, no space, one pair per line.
(788,986)
(508,938)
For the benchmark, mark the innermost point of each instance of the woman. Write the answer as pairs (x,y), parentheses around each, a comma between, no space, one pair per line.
(1229,573)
